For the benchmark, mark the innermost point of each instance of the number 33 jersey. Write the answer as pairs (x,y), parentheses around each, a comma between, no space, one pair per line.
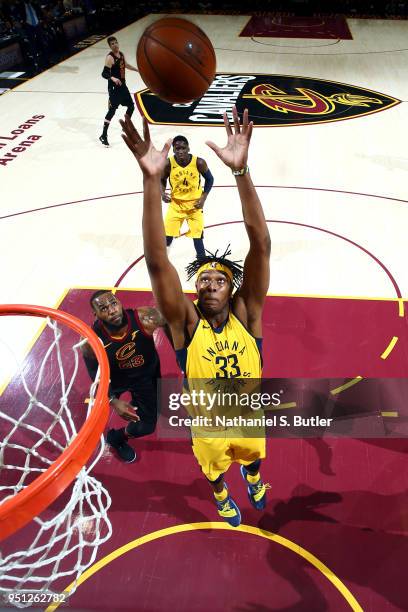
(228,351)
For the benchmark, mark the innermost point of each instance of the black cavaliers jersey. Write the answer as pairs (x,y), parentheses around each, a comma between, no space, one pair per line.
(118,68)
(133,360)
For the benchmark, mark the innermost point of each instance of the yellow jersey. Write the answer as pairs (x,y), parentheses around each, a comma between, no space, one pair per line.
(229,351)
(224,360)
(185,181)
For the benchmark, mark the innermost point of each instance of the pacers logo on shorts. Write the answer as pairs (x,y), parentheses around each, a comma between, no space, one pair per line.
(272,100)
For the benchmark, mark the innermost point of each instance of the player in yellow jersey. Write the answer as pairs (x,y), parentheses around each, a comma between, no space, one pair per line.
(219,313)
(187,196)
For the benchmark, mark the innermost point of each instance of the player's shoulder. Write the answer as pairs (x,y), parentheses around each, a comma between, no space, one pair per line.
(150,318)
(201,164)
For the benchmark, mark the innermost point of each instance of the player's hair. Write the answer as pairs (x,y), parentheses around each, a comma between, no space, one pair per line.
(110,38)
(96,294)
(235,267)
(178,139)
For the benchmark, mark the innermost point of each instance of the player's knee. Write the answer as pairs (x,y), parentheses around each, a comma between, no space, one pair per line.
(149,428)
(110,113)
(140,428)
(217,480)
(130,109)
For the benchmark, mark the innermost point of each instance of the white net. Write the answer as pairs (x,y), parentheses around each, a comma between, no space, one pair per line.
(41,412)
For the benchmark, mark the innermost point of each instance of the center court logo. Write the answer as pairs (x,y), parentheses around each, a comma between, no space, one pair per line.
(272,101)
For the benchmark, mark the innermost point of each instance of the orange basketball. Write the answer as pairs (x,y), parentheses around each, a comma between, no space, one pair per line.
(176,60)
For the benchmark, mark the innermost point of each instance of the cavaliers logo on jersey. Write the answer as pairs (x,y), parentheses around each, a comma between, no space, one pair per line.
(272,101)
(126,357)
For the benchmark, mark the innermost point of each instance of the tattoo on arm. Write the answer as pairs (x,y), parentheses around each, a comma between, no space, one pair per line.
(150,316)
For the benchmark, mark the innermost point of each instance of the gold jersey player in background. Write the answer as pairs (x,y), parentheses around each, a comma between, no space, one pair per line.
(187,196)
(220,313)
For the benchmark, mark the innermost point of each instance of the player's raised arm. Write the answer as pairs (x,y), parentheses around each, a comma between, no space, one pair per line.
(256,268)
(163,181)
(166,285)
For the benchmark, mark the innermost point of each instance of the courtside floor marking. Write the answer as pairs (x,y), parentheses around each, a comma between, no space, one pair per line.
(352,382)
(273,537)
(389,348)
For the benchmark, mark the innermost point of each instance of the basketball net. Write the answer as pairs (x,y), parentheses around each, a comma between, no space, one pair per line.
(41,417)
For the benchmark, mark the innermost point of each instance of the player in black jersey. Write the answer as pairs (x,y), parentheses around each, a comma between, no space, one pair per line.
(127,336)
(114,71)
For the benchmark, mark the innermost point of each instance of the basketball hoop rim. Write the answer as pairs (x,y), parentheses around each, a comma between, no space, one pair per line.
(31,501)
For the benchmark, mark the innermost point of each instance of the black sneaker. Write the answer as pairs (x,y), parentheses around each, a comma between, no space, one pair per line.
(116,440)
(104,140)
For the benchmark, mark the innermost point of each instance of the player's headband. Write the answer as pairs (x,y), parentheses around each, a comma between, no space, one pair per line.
(214,265)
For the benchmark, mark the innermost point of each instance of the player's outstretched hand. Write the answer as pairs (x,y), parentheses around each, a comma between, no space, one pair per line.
(125,410)
(235,153)
(151,161)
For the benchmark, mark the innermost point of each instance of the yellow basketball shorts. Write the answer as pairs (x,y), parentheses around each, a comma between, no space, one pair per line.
(177,214)
(215,455)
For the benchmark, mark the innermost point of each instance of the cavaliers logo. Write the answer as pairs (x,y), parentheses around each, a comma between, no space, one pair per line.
(126,351)
(126,357)
(272,101)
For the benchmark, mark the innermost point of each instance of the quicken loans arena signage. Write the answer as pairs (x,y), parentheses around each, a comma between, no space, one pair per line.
(272,101)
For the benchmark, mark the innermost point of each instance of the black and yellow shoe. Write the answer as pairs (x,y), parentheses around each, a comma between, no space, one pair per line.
(257,491)
(104,140)
(229,511)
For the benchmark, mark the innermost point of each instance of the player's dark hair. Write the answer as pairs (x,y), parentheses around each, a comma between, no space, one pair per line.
(179,139)
(96,294)
(236,269)
(110,38)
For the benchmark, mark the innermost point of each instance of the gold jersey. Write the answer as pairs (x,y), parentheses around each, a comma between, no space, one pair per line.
(224,360)
(185,181)
(227,352)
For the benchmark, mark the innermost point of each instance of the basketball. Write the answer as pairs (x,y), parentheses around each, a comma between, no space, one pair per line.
(176,60)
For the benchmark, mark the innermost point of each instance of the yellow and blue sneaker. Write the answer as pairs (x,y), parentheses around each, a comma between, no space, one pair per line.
(257,491)
(228,510)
